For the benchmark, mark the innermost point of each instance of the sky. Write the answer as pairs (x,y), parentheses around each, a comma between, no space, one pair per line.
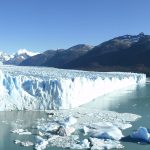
(39,25)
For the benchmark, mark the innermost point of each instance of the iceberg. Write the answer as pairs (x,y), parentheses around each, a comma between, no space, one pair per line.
(141,134)
(41,88)
(105,132)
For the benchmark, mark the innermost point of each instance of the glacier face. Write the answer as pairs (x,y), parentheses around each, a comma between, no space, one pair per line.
(34,88)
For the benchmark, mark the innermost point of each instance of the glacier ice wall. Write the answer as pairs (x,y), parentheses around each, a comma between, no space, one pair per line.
(34,88)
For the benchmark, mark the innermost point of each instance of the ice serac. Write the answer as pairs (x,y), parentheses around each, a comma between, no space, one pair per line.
(48,88)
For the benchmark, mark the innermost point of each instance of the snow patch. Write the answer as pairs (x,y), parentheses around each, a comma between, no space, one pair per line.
(25,51)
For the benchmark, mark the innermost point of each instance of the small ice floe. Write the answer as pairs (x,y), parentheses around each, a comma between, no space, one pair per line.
(104,132)
(41,143)
(17,131)
(5,122)
(40,133)
(86,130)
(85,143)
(99,144)
(70,142)
(50,114)
(69,121)
(24,143)
(105,124)
(48,127)
(141,134)
(70,130)
(21,132)
(17,141)
(25,133)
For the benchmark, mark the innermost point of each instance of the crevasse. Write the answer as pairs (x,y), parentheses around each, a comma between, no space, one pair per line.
(35,88)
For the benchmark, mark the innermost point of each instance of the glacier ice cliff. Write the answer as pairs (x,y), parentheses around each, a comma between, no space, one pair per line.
(34,88)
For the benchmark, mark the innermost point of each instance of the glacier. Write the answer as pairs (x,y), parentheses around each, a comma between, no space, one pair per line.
(41,88)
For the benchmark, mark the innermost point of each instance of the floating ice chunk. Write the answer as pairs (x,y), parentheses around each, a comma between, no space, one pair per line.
(21,132)
(69,130)
(25,133)
(105,132)
(26,143)
(41,143)
(99,144)
(40,133)
(65,141)
(70,121)
(17,141)
(17,131)
(50,114)
(142,133)
(86,130)
(50,126)
(120,125)
(86,143)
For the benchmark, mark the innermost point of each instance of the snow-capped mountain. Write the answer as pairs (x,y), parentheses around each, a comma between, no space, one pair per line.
(38,60)
(57,58)
(25,52)
(4,57)
(19,56)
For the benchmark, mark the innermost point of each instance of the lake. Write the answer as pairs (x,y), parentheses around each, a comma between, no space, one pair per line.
(135,100)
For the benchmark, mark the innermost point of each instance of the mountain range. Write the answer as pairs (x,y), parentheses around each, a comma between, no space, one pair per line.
(57,58)
(16,58)
(123,53)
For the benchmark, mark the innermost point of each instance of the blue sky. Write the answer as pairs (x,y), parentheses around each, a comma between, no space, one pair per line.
(40,25)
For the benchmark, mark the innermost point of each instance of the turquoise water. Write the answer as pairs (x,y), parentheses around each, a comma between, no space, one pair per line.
(133,100)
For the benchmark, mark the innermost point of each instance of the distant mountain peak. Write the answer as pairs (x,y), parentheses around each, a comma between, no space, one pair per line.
(27,52)
(20,56)
(141,34)
(4,56)
(130,39)
(81,47)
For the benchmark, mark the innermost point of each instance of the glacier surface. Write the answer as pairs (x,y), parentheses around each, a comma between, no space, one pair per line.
(33,88)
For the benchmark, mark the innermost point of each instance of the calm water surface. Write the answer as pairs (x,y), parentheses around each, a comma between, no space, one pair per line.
(133,100)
